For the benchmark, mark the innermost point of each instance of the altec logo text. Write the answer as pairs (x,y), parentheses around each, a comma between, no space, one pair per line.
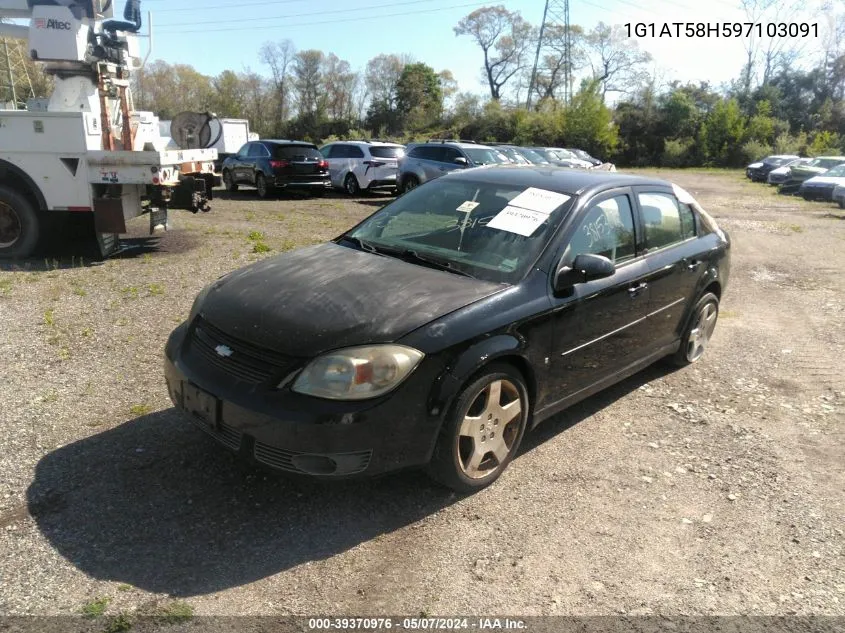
(56,25)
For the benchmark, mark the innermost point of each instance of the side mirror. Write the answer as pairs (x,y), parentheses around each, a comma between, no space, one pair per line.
(585,268)
(461,161)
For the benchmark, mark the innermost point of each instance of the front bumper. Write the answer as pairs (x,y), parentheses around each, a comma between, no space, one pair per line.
(299,434)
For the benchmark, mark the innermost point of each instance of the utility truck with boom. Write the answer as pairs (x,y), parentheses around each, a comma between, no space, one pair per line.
(87,158)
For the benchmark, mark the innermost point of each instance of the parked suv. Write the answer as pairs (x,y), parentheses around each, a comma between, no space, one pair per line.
(363,165)
(270,165)
(427,161)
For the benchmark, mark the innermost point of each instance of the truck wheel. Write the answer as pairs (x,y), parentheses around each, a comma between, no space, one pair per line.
(19,225)
(230,185)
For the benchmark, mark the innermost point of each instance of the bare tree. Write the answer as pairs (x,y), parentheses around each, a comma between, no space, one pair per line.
(551,73)
(278,56)
(339,83)
(308,82)
(617,62)
(504,37)
(381,77)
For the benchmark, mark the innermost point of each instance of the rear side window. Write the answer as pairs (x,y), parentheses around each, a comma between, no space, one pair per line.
(387,152)
(297,152)
(258,150)
(666,221)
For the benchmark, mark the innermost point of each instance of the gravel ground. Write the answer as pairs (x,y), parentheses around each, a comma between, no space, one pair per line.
(713,490)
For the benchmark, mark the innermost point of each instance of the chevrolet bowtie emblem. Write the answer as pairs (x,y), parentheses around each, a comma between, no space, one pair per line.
(223,351)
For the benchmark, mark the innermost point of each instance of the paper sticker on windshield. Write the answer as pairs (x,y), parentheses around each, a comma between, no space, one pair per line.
(540,200)
(468,206)
(520,221)
(682,195)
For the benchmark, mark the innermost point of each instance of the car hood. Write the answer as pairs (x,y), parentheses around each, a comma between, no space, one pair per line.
(755,166)
(825,180)
(328,296)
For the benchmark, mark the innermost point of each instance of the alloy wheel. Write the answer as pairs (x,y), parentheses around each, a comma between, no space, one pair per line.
(490,429)
(702,332)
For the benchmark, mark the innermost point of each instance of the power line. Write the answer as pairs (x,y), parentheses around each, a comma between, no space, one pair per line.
(300,15)
(361,19)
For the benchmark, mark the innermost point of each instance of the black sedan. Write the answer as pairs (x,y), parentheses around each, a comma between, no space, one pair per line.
(759,171)
(273,165)
(443,327)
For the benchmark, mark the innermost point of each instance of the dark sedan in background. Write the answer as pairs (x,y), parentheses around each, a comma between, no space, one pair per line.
(273,165)
(759,171)
(443,327)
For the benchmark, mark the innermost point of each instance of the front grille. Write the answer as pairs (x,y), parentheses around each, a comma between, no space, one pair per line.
(246,362)
(348,463)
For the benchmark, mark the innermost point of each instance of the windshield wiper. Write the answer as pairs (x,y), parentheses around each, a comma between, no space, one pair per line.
(364,246)
(434,263)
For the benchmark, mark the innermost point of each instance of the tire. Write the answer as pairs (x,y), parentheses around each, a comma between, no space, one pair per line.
(470,453)
(351,186)
(20,227)
(230,185)
(410,182)
(261,187)
(699,331)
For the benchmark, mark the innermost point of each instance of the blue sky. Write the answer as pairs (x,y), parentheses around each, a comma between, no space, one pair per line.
(228,35)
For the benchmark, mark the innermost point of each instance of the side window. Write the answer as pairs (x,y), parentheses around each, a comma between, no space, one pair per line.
(607,230)
(430,152)
(354,151)
(258,150)
(688,229)
(449,155)
(416,152)
(663,221)
(244,151)
(327,151)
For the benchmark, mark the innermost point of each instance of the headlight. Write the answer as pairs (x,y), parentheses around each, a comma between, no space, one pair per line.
(358,373)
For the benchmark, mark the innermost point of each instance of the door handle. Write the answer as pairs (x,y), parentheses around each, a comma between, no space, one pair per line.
(636,291)
(692,266)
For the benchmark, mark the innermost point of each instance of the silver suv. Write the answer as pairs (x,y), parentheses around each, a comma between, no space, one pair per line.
(428,161)
(357,166)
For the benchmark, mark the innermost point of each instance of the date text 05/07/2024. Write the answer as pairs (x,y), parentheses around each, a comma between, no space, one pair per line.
(722,29)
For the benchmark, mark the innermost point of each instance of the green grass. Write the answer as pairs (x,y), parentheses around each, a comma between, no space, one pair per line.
(140,409)
(5,287)
(255,236)
(79,291)
(118,624)
(261,247)
(95,608)
(130,292)
(156,290)
(49,317)
(176,612)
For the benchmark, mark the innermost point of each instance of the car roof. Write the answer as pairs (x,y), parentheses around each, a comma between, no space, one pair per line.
(842,158)
(367,143)
(561,179)
(284,142)
(454,144)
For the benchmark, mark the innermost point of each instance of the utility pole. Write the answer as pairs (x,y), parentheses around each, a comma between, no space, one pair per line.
(555,13)
(15,83)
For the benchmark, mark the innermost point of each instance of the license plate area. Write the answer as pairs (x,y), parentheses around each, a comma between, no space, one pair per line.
(202,405)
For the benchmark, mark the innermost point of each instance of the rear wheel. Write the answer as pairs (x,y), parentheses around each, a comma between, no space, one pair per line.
(410,182)
(229,182)
(264,190)
(699,332)
(483,431)
(351,186)
(19,225)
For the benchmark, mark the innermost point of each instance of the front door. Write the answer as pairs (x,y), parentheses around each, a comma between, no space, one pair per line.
(599,326)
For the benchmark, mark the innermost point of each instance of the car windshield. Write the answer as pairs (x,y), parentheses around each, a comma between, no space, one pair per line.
(838,171)
(548,155)
(777,162)
(464,226)
(535,157)
(513,155)
(387,152)
(827,163)
(565,154)
(485,156)
(583,155)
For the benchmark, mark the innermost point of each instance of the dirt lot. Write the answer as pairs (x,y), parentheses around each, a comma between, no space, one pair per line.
(716,489)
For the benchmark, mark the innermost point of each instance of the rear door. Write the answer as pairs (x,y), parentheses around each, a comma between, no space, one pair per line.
(335,155)
(384,163)
(676,259)
(258,153)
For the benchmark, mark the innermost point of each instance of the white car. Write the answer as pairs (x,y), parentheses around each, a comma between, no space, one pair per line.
(357,166)
(781,174)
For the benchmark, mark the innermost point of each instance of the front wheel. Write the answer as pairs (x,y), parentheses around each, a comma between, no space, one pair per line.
(483,431)
(262,187)
(699,332)
(229,182)
(410,182)
(19,225)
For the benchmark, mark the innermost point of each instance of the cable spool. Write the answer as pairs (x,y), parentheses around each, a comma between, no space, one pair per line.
(192,130)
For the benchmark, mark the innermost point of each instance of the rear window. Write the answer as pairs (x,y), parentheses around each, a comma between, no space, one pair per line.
(484,156)
(297,152)
(827,163)
(387,152)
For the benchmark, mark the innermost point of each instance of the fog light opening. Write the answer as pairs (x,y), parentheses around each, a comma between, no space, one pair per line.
(315,464)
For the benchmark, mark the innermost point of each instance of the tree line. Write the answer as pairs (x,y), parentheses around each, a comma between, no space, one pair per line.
(603,96)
